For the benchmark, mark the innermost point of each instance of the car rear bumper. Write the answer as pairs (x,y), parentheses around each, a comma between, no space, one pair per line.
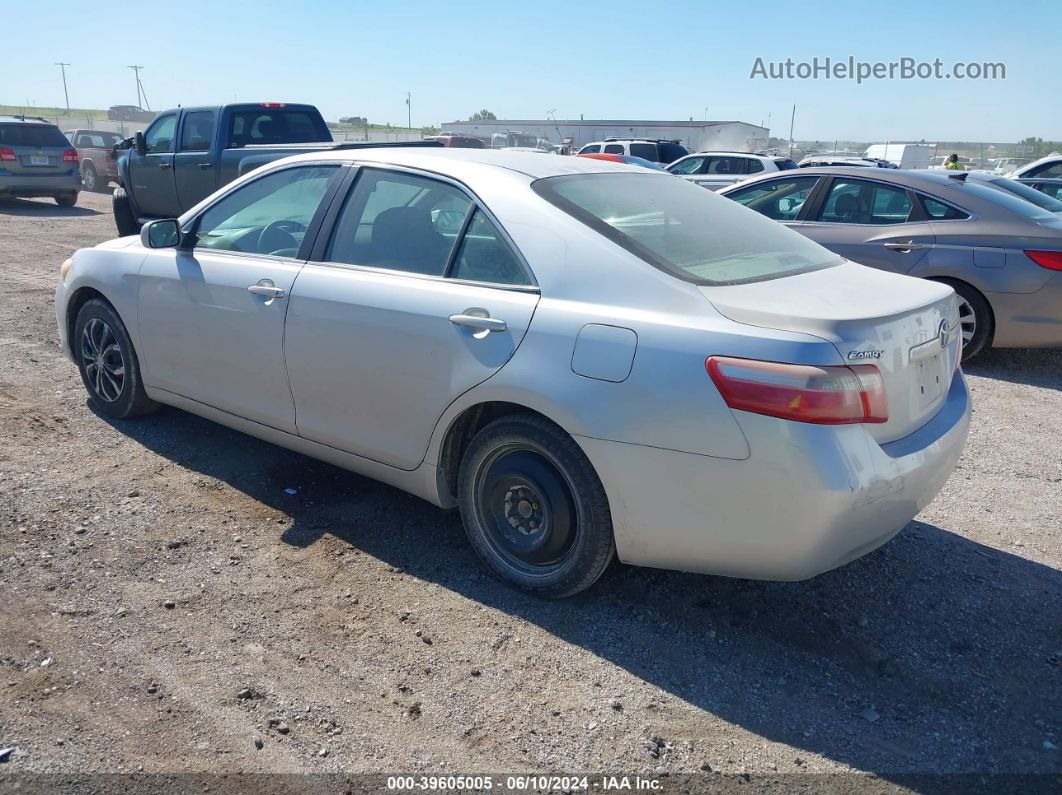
(809,498)
(1029,320)
(39,184)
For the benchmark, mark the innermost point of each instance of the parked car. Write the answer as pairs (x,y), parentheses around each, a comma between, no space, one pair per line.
(188,153)
(813,161)
(584,359)
(129,113)
(37,160)
(715,170)
(626,159)
(656,150)
(1001,253)
(459,141)
(1022,168)
(95,150)
(1048,186)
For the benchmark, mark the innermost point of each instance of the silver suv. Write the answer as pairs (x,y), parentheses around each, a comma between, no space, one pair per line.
(36,159)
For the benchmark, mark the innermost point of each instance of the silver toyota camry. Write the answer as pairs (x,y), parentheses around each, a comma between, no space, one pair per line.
(588,359)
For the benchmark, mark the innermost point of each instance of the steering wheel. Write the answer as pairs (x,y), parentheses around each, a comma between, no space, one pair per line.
(278,236)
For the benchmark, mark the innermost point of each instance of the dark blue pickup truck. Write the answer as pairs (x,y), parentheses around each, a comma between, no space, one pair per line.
(186,154)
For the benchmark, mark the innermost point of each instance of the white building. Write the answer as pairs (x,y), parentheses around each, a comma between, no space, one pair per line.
(731,136)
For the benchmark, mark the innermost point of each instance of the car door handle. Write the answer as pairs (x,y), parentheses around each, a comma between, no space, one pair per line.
(479,322)
(267,288)
(165,164)
(204,165)
(903,247)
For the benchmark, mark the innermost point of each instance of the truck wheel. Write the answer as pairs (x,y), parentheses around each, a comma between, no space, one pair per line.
(66,199)
(90,177)
(124,218)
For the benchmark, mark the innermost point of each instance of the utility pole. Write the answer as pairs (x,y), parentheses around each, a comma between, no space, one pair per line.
(136,71)
(409,111)
(792,118)
(66,94)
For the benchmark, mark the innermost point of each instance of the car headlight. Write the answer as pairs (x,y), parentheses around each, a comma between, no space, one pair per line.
(65,267)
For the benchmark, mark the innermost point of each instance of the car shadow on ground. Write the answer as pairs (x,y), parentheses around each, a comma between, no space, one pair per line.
(42,207)
(1034,366)
(933,654)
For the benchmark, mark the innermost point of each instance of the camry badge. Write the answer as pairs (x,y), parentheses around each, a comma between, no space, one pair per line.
(865,354)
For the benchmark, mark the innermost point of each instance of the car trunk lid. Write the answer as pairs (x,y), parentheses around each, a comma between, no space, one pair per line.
(871,317)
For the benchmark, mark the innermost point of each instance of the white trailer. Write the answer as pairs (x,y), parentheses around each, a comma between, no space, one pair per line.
(902,155)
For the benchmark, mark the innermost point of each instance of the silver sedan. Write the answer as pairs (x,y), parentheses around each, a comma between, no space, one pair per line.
(589,359)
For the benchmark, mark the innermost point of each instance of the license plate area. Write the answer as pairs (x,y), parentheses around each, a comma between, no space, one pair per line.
(931,378)
(39,160)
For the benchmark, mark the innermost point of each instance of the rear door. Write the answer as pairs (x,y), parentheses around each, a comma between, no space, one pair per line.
(193,164)
(416,297)
(873,223)
(718,171)
(151,174)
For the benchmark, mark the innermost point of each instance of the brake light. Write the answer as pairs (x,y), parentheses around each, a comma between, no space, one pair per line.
(272,104)
(70,156)
(1052,260)
(7,154)
(825,395)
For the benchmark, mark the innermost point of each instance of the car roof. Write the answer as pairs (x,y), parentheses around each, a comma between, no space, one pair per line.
(734,154)
(12,119)
(910,178)
(459,163)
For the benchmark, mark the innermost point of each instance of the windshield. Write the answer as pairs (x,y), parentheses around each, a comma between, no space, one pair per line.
(684,229)
(32,135)
(1027,193)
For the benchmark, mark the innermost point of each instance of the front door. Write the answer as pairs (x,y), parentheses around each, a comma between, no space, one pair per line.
(151,174)
(872,223)
(212,316)
(417,298)
(193,167)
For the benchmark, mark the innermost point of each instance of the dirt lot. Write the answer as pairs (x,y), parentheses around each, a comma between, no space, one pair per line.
(168,606)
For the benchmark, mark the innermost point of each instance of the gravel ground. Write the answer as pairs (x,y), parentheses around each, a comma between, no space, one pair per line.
(168,606)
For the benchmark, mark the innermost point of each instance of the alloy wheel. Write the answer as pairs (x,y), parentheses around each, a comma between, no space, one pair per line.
(101,356)
(967,320)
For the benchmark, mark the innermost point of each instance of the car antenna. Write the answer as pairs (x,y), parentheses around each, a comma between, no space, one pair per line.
(959,175)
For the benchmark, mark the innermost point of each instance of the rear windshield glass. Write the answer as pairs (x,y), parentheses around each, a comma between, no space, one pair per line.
(1008,201)
(1029,194)
(276,126)
(32,135)
(670,152)
(684,229)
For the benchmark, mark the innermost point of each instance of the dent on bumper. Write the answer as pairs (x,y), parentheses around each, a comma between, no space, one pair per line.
(1029,320)
(809,499)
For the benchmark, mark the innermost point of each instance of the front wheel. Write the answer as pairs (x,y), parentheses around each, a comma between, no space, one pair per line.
(534,508)
(66,199)
(124,217)
(108,363)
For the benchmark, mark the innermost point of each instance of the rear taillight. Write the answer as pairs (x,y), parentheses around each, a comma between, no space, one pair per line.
(826,395)
(7,154)
(1052,260)
(70,156)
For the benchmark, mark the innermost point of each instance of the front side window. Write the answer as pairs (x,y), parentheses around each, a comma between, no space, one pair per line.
(1046,171)
(691,165)
(198,131)
(159,137)
(400,222)
(681,228)
(855,201)
(780,199)
(269,215)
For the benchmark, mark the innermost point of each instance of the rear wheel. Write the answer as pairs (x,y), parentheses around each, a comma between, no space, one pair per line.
(108,363)
(534,508)
(975,319)
(66,199)
(90,177)
(124,218)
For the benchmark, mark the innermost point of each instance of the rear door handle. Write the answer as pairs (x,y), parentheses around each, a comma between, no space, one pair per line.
(903,247)
(164,164)
(479,322)
(266,288)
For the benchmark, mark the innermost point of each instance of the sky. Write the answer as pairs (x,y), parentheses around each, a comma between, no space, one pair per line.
(615,59)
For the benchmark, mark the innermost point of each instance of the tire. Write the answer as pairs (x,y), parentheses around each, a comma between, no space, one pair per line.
(66,199)
(975,318)
(90,177)
(534,508)
(124,218)
(108,362)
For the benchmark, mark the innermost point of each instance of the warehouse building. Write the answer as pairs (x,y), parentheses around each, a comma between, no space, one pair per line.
(735,136)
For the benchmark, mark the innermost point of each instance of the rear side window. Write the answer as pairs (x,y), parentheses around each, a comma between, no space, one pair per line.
(198,131)
(275,126)
(485,257)
(939,211)
(32,135)
(97,140)
(683,229)
(613,149)
(721,164)
(754,166)
(855,201)
(648,151)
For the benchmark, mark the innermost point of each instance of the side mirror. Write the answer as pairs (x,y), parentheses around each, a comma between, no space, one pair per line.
(164,233)
(140,143)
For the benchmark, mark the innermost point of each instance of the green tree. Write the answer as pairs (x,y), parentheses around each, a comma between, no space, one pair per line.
(483,115)
(1037,147)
